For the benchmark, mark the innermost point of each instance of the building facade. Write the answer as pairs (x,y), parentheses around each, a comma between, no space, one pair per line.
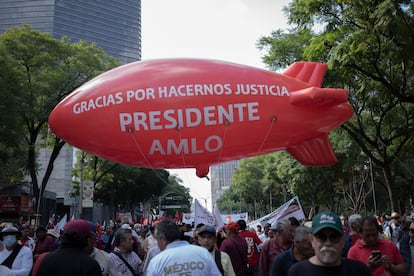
(114,25)
(221,178)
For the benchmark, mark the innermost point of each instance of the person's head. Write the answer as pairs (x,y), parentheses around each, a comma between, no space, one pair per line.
(207,237)
(108,229)
(166,231)
(123,240)
(369,231)
(327,239)
(231,228)
(242,223)
(302,246)
(396,218)
(9,236)
(267,228)
(411,231)
(283,230)
(354,222)
(259,228)
(195,232)
(344,220)
(41,232)
(294,222)
(76,234)
(91,238)
(25,231)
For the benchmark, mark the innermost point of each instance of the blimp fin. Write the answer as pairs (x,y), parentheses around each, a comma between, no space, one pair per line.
(314,152)
(310,72)
(316,96)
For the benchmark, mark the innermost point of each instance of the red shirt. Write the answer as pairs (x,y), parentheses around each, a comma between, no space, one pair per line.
(252,241)
(361,252)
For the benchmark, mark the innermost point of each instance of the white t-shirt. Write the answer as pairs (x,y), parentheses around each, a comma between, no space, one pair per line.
(180,257)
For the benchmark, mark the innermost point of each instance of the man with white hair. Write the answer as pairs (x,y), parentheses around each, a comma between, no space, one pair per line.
(327,240)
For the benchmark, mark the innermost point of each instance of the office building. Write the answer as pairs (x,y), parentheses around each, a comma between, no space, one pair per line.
(114,25)
(221,178)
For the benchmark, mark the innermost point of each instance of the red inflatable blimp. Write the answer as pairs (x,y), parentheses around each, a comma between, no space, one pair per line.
(184,113)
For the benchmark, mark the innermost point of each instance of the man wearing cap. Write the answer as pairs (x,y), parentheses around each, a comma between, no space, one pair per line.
(44,242)
(207,239)
(17,258)
(253,242)
(236,247)
(70,258)
(281,242)
(178,257)
(392,231)
(380,256)
(327,240)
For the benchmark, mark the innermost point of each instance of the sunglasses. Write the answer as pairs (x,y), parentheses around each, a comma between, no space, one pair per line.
(333,238)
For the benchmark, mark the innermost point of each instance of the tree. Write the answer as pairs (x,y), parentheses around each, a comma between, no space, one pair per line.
(45,71)
(369,48)
(12,159)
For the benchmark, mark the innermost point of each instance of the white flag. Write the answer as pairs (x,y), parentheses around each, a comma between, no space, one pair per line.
(217,216)
(61,223)
(202,215)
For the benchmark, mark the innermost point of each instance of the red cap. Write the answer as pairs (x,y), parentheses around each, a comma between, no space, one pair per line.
(232,226)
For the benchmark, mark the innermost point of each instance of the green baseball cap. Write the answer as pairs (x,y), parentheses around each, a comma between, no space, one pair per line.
(325,220)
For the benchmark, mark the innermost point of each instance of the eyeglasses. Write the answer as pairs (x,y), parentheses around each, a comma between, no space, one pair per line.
(333,238)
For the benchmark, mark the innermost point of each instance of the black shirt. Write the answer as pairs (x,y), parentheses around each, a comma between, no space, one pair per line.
(347,267)
(69,262)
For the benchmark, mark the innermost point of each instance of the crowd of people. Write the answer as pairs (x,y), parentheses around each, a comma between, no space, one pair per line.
(327,245)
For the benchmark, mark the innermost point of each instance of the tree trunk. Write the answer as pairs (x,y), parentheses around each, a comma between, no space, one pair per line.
(388,184)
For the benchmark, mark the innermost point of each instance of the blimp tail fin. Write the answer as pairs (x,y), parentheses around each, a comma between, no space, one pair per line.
(316,96)
(314,152)
(310,72)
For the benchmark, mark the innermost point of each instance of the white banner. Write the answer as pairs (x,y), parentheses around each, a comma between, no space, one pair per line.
(292,208)
(218,217)
(88,190)
(202,215)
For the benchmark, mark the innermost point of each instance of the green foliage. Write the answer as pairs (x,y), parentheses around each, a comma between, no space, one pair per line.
(124,187)
(368,46)
(43,70)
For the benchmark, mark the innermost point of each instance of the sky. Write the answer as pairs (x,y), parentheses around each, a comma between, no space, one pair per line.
(215,29)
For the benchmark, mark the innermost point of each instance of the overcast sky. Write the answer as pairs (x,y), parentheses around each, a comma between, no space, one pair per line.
(214,29)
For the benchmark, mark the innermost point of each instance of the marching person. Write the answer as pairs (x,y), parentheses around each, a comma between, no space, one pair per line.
(207,239)
(236,247)
(327,240)
(70,258)
(107,267)
(16,257)
(387,258)
(178,257)
(301,250)
(123,256)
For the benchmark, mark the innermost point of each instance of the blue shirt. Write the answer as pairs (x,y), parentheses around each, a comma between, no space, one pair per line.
(282,263)
(179,258)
